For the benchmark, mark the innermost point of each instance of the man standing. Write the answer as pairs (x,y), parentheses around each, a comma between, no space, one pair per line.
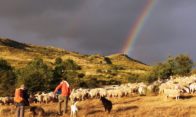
(21,100)
(63,97)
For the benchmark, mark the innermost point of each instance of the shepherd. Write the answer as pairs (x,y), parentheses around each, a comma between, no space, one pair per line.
(21,100)
(64,96)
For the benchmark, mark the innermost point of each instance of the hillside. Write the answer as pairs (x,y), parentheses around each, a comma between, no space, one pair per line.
(19,54)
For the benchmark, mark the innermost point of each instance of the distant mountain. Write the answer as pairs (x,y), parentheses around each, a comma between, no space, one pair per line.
(19,54)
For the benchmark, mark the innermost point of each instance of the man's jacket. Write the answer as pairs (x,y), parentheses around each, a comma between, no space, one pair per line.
(64,87)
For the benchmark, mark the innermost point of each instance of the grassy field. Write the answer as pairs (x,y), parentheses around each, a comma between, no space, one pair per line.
(136,106)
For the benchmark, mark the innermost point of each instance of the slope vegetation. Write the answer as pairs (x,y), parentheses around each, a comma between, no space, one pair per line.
(113,66)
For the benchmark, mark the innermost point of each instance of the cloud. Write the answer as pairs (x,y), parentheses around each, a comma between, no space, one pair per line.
(91,24)
(168,31)
(25,8)
(101,26)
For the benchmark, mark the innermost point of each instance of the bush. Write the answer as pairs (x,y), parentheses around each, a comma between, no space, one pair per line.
(133,79)
(92,83)
(71,65)
(59,68)
(180,65)
(36,75)
(81,75)
(114,82)
(67,69)
(116,67)
(7,79)
(183,65)
(107,60)
(83,84)
(99,71)
(4,65)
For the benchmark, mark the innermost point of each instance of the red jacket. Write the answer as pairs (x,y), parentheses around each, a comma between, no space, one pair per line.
(65,89)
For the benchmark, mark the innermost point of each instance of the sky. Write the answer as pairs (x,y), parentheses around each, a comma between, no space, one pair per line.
(102,26)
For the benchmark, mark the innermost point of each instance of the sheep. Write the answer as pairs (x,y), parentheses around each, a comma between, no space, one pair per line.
(79,94)
(172,93)
(151,88)
(192,87)
(39,97)
(142,90)
(109,93)
(46,98)
(7,100)
(102,92)
(94,93)
(186,89)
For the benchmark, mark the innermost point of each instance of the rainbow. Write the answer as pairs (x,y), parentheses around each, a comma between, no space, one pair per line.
(137,27)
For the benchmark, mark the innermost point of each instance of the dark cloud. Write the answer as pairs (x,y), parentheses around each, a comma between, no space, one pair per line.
(102,26)
(168,31)
(24,8)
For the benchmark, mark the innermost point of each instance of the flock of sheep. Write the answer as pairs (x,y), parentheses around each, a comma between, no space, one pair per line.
(177,86)
(174,87)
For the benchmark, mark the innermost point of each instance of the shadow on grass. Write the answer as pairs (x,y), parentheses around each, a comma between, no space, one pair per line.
(127,108)
(186,97)
(128,101)
(94,111)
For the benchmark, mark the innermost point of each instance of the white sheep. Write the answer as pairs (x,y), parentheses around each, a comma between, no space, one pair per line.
(142,90)
(192,87)
(172,93)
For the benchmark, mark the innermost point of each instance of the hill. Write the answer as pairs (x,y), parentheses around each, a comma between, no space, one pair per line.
(117,66)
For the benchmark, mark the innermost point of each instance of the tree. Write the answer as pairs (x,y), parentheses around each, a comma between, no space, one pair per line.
(36,75)
(7,79)
(163,70)
(66,69)
(183,65)
(71,71)
(58,71)
(180,65)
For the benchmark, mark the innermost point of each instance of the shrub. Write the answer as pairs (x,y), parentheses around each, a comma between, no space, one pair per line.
(132,79)
(107,60)
(71,65)
(36,75)
(4,65)
(114,82)
(83,84)
(92,83)
(7,79)
(180,65)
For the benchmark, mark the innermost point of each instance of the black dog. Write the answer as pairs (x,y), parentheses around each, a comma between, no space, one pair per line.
(37,111)
(107,104)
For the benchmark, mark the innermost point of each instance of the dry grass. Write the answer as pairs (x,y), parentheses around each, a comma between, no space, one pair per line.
(19,54)
(145,106)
